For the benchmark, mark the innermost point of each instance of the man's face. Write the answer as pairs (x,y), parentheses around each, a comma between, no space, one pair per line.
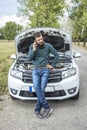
(39,40)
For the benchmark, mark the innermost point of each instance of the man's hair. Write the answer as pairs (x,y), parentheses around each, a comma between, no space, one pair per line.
(37,34)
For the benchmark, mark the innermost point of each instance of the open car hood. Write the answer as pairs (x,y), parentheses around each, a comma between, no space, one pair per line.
(60,39)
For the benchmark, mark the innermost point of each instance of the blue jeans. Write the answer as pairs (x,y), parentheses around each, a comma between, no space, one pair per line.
(40,78)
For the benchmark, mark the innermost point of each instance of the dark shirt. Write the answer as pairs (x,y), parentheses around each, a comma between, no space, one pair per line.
(41,55)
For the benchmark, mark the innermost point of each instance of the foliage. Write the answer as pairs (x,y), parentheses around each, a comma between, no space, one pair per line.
(10,30)
(79,16)
(1,33)
(42,13)
(6,49)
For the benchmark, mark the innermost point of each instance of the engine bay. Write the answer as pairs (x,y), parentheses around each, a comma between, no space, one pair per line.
(24,65)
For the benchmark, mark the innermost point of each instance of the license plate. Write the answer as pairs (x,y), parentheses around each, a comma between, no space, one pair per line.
(50,89)
(30,89)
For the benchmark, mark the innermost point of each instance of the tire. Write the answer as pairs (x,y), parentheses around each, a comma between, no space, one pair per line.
(76,96)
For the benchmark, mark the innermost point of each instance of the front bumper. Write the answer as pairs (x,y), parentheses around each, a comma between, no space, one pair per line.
(64,89)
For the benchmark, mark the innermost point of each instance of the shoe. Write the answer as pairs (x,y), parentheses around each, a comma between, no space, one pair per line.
(47,112)
(38,115)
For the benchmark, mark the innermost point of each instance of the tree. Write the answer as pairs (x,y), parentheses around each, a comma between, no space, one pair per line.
(1,33)
(42,13)
(79,16)
(10,30)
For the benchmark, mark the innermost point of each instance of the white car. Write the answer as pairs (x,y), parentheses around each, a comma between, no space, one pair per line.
(63,81)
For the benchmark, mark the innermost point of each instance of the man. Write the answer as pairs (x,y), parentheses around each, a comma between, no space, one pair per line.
(39,52)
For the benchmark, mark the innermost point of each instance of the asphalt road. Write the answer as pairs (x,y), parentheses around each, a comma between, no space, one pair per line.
(67,114)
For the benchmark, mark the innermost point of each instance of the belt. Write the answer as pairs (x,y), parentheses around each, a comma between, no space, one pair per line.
(39,67)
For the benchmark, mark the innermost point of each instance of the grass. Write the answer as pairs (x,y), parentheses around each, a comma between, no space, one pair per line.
(1,107)
(6,49)
(80,45)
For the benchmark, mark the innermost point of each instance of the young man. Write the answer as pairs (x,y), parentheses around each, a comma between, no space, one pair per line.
(39,52)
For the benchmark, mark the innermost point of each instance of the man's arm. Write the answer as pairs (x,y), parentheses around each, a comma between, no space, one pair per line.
(31,53)
(56,56)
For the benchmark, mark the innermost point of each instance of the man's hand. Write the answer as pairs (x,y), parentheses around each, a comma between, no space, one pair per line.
(49,66)
(34,46)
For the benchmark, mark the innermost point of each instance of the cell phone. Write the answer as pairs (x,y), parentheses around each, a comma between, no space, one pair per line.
(36,42)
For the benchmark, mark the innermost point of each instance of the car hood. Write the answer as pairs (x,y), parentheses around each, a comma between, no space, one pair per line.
(60,39)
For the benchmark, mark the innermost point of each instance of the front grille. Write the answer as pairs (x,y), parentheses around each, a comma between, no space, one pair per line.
(55,76)
(27,77)
(47,94)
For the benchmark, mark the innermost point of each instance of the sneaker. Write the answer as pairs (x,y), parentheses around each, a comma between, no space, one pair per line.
(38,115)
(47,112)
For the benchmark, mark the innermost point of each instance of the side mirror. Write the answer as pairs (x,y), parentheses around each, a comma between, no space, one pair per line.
(77,55)
(13,56)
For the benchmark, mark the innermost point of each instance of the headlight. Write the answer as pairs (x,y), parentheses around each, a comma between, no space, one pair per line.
(68,73)
(16,74)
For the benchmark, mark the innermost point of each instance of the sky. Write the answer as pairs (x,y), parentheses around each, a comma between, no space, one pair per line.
(9,12)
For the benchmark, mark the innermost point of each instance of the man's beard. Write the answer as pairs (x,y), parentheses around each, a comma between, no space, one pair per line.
(42,45)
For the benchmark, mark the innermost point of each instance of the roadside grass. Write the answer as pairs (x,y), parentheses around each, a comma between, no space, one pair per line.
(6,49)
(80,45)
(1,107)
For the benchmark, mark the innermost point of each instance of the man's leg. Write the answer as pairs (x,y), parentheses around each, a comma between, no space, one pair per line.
(37,83)
(38,105)
(36,75)
(44,80)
